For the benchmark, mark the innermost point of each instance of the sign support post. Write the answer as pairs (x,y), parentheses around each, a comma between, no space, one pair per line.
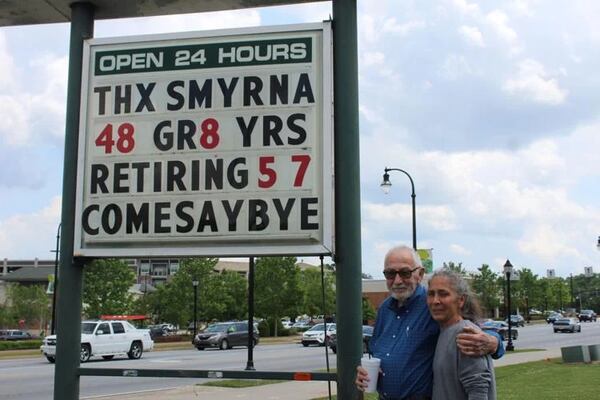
(66,377)
(347,197)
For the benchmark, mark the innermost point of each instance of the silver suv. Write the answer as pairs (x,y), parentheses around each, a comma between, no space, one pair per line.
(225,335)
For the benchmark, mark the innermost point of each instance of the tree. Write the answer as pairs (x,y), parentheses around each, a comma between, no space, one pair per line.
(225,297)
(313,292)
(277,292)
(175,299)
(458,268)
(485,285)
(29,303)
(106,284)
(368,312)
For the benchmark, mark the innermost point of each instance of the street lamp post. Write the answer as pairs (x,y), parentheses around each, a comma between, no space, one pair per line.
(195,283)
(53,324)
(508,268)
(386,185)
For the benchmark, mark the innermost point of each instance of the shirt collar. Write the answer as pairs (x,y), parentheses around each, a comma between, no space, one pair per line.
(417,294)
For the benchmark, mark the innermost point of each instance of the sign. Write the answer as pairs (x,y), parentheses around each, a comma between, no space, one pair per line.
(426,259)
(207,143)
(550,273)
(588,271)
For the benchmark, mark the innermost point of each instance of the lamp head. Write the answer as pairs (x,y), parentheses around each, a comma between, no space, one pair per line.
(386,184)
(195,283)
(508,268)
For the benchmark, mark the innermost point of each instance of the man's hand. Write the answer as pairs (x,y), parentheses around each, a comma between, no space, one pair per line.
(362,378)
(474,343)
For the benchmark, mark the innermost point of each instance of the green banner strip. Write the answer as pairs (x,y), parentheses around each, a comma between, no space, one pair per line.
(202,56)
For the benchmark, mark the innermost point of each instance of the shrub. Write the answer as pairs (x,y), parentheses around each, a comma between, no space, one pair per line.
(20,344)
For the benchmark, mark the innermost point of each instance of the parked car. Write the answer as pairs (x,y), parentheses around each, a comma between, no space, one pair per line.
(553,317)
(567,325)
(301,326)
(516,320)
(367,332)
(534,311)
(316,335)
(501,328)
(14,334)
(587,315)
(157,331)
(106,339)
(225,335)
(287,324)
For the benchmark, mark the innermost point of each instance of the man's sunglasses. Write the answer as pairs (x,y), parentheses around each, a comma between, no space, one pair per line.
(404,273)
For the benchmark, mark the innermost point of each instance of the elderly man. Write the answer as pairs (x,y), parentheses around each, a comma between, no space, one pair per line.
(405,335)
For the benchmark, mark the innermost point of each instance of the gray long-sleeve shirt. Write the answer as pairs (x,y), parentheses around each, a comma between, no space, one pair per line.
(459,377)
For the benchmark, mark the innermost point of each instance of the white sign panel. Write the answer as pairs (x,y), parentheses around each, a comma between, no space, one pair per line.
(588,271)
(208,143)
(550,273)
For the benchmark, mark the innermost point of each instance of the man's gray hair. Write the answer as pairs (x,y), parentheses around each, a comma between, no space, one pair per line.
(404,249)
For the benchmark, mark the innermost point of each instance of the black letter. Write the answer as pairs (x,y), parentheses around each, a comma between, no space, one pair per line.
(119,176)
(159,216)
(179,210)
(284,213)
(232,214)
(168,136)
(145,101)
(213,174)
(199,96)
(272,125)
(227,91)
(99,175)
(243,174)
(175,95)
(305,213)
(122,99)
(279,89)
(135,219)
(257,209)
(85,219)
(118,219)
(246,129)
(296,128)
(175,173)
(252,87)
(102,90)
(304,89)
(207,217)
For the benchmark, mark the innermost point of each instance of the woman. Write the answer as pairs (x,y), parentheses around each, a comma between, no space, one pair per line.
(456,376)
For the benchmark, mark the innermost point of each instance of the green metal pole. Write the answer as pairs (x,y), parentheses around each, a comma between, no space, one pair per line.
(347,197)
(66,379)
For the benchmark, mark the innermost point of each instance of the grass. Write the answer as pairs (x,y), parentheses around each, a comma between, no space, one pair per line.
(548,380)
(240,383)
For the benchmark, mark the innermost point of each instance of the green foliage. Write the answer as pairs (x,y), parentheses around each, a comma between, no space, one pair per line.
(277,288)
(485,285)
(29,303)
(313,295)
(455,267)
(20,344)
(106,283)
(368,312)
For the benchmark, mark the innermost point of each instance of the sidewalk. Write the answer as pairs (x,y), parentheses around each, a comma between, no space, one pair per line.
(292,390)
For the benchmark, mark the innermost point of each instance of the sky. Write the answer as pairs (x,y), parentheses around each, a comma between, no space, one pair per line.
(492,107)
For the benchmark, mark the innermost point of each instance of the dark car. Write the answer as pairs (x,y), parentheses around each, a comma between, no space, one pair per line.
(367,332)
(13,334)
(553,317)
(225,335)
(587,315)
(501,328)
(516,320)
(157,331)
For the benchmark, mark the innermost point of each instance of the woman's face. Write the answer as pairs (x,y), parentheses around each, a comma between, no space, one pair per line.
(443,301)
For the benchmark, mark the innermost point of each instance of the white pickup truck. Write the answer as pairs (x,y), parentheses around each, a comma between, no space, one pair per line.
(106,339)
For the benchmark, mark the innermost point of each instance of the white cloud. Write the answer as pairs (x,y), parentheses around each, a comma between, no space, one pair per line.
(498,21)
(547,242)
(455,66)
(37,230)
(472,35)
(439,218)
(391,25)
(470,9)
(459,250)
(533,82)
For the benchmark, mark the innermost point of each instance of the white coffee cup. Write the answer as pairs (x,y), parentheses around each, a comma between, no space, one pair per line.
(372,367)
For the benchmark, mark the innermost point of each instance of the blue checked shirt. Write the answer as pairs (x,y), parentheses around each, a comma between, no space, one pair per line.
(404,339)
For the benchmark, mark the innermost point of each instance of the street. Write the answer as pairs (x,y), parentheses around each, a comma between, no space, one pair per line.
(32,379)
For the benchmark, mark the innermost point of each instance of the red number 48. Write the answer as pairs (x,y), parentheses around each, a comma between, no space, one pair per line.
(125,140)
